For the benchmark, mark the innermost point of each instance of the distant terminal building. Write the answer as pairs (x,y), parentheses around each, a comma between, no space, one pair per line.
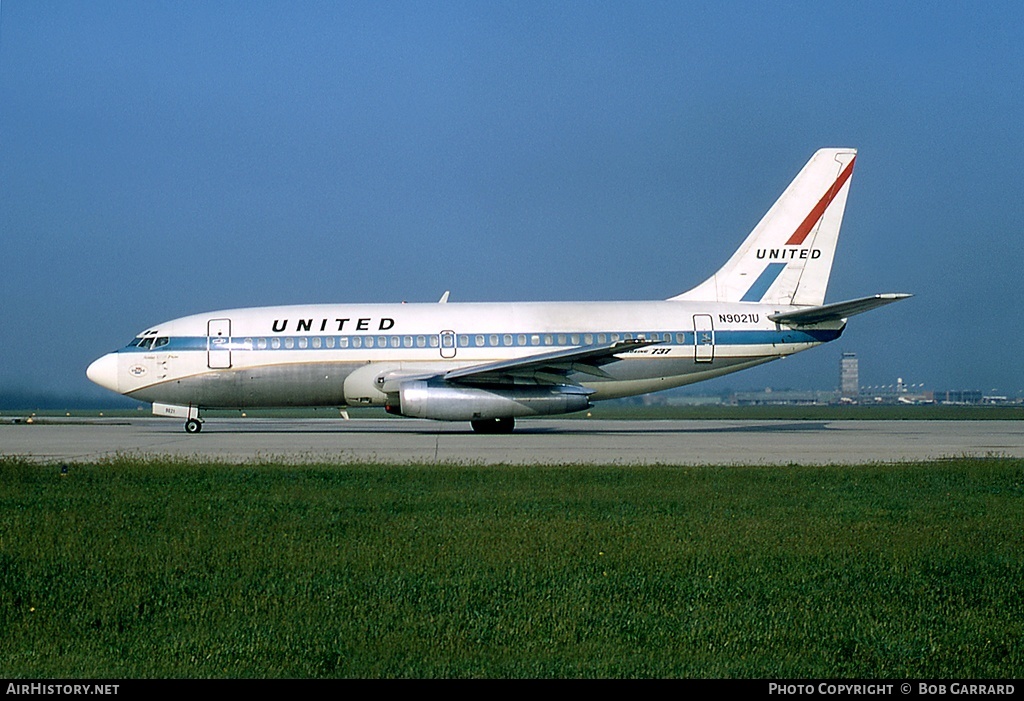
(959,396)
(899,393)
(791,397)
(849,377)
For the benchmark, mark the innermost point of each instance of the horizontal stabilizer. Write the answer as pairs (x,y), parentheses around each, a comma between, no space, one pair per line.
(837,310)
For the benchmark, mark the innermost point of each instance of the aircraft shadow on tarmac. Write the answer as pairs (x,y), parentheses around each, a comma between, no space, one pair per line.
(396,426)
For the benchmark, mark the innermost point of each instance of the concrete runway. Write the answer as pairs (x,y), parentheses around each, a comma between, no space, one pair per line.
(536,441)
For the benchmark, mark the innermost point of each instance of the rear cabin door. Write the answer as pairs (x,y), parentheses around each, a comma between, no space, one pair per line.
(703,338)
(218,343)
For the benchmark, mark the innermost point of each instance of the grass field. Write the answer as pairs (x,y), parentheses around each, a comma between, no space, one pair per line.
(159,568)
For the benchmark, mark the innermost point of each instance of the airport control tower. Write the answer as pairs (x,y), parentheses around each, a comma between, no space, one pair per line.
(849,377)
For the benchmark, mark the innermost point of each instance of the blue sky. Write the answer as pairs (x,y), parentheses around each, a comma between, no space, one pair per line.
(165,158)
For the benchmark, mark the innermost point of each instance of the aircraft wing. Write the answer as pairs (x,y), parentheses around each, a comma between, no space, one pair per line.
(837,310)
(586,359)
(544,368)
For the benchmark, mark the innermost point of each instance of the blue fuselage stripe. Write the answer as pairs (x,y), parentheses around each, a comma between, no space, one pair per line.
(752,337)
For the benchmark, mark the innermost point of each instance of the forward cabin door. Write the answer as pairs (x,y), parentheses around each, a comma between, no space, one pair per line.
(218,343)
(703,338)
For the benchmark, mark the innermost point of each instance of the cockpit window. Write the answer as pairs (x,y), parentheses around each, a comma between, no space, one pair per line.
(140,342)
(161,341)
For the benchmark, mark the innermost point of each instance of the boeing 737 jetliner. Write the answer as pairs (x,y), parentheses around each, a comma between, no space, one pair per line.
(489,363)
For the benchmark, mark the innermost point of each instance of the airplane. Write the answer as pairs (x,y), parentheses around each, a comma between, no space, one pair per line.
(490,363)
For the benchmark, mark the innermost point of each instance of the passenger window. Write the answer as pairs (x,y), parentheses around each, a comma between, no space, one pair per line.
(369,341)
(275,343)
(507,339)
(407,341)
(317,342)
(420,342)
(601,338)
(521,339)
(357,342)
(261,343)
(480,341)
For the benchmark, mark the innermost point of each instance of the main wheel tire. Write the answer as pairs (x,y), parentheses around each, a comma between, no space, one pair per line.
(505,424)
(193,426)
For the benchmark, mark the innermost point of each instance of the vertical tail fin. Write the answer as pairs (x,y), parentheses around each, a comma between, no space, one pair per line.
(787,258)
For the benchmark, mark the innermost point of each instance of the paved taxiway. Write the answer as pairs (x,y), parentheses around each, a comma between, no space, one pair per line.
(543,441)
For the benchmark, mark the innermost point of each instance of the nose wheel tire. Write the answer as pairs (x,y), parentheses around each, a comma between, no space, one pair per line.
(193,426)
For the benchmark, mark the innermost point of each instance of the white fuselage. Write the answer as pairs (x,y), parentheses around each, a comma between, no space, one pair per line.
(314,355)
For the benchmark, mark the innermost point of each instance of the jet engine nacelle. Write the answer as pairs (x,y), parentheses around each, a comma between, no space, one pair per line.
(425,399)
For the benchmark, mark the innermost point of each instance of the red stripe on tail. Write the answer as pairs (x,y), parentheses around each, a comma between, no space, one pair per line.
(819,209)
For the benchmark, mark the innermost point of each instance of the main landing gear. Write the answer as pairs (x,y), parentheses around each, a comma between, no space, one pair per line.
(193,426)
(503,425)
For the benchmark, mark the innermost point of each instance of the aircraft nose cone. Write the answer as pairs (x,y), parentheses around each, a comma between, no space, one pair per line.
(103,371)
